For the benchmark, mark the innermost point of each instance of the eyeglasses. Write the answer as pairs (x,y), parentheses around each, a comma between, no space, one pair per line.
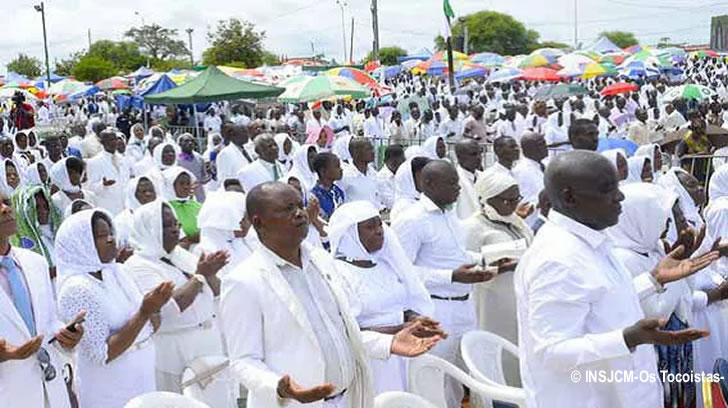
(49,372)
(512,201)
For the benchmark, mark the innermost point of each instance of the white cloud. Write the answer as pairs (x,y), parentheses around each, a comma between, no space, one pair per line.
(291,25)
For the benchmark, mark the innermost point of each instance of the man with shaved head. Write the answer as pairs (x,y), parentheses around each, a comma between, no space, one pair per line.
(584,135)
(470,163)
(265,167)
(235,155)
(359,180)
(579,308)
(507,153)
(291,336)
(432,237)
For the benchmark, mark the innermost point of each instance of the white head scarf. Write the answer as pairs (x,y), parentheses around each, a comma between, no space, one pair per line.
(718,186)
(612,155)
(687,205)
(404,182)
(131,201)
(648,151)
(211,145)
(33,175)
(636,165)
(75,245)
(218,232)
(170,176)
(284,158)
(413,151)
(645,211)
(6,188)
(300,169)
(59,176)
(157,155)
(147,237)
(345,242)
(489,184)
(341,147)
(429,148)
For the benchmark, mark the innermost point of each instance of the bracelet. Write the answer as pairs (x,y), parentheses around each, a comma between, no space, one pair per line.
(660,287)
(199,278)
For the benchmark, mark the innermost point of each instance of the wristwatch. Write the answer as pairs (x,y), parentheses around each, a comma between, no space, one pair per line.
(199,278)
(660,288)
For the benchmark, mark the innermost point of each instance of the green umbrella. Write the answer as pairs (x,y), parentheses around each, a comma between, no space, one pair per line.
(560,91)
(689,91)
(309,89)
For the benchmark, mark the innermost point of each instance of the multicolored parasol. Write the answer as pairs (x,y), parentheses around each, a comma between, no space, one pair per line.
(309,89)
(619,88)
(357,75)
(688,91)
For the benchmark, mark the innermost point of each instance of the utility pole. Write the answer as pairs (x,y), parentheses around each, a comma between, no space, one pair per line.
(465,35)
(351,50)
(375,28)
(89,38)
(576,20)
(192,58)
(343,4)
(41,9)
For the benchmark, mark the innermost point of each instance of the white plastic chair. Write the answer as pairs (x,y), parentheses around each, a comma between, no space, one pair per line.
(162,399)
(482,353)
(398,399)
(427,379)
(208,379)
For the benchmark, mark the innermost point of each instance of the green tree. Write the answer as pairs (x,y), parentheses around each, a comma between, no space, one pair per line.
(235,40)
(94,69)
(552,44)
(158,42)
(25,65)
(387,55)
(170,64)
(65,66)
(493,32)
(621,39)
(123,55)
(270,59)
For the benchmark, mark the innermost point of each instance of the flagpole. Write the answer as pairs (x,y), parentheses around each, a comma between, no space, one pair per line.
(450,66)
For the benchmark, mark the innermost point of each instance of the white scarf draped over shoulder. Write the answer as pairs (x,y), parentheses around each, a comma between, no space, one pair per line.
(491,183)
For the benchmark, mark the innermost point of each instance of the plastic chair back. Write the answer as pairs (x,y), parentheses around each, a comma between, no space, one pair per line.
(162,399)
(208,379)
(397,399)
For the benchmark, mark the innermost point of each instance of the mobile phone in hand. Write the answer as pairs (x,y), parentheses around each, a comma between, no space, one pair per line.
(71,327)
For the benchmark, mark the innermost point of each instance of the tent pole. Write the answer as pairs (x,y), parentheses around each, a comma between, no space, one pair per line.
(197,126)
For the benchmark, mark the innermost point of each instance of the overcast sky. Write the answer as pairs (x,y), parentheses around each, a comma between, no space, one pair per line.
(291,25)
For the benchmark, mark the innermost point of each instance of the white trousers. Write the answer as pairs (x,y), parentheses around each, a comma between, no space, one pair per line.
(456,318)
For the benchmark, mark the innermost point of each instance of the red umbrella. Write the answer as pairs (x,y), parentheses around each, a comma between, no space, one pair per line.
(540,74)
(618,88)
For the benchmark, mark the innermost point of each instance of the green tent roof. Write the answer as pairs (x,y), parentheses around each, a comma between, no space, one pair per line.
(213,85)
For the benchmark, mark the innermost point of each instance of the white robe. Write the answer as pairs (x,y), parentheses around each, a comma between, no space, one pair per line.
(100,167)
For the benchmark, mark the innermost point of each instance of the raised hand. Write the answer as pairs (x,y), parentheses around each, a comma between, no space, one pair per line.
(154,300)
(407,344)
(289,389)
(9,352)
(210,264)
(429,327)
(69,339)
(523,210)
(673,267)
(108,182)
(647,331)
(469,274)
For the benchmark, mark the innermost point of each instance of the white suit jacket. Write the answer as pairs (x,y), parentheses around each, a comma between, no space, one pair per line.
(268,333)
(257,173)
(229,162)
(21,381)
(468,202)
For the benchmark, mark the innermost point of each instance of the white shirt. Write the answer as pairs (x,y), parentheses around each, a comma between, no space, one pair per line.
(212,123)
(230,161)
(574,301)
(110,198)
(259,172)
(434,242)
(451,126)
(374,128)
(508,128)
(359,186)
(468,202)
(411,127)
(385,187)
(530,183)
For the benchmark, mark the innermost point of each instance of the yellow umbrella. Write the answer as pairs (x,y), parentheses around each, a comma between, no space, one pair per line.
(533,61)
(593,70)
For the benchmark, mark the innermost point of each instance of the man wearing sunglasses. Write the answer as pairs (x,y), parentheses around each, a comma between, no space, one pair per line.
(31,336)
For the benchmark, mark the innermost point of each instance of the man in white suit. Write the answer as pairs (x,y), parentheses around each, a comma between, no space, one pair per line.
(470,163)
(291,337)
(234,156)
(265,168)
(30,367)
(108,175)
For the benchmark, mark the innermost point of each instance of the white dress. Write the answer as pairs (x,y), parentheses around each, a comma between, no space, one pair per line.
(378,298)
(109,304)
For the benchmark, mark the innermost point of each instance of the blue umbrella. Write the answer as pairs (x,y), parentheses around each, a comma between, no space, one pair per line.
(471,73)
(609,144)
(505,75)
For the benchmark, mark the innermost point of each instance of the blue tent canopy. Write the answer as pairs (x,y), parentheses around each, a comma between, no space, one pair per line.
(471,73)
(54,78)
(604,46)
(162,84)
(140,73)
(422,54)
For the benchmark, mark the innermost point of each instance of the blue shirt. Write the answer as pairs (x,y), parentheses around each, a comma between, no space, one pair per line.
(329,199)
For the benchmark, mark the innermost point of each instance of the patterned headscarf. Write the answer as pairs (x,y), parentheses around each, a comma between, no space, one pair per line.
(28,234)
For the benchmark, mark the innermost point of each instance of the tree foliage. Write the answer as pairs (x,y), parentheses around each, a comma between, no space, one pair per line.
(388,55)
(64,67)
(553,44)
(235,41)
(123,55)
(490,31)
(621,39)
(170,64)
(94,69)
(157,42)
(25,65)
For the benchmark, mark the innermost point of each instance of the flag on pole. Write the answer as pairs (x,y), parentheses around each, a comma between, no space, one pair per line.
(448,15)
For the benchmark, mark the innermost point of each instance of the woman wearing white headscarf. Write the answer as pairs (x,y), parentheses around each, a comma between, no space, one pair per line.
(690,196)
(718,185)
(139,191)
(384,292)
(640,170)
(710,289)
(646,211)
(286,148)
(501,237)
(653,151)
(66,174)
(231,232)
(618,158)
(406,191)
(341,147)
(164,156)
(10,177)
(135,146)
(179,193)
(188,329)
(115,360)
(302,168)
(37,175)
(435,148)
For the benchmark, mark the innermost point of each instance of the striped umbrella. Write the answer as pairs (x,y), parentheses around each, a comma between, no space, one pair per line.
(442,56)
(113,83)
(533,61)
(352,73)
(487,58)
(688,91)
(540,74)
(505,75)
(309,89)
(430,67)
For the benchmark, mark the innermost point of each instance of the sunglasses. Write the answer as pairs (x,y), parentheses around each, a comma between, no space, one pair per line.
(44,359)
